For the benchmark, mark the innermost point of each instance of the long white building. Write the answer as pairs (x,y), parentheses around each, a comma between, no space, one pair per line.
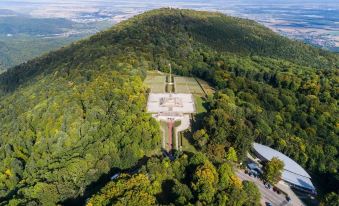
(293,174)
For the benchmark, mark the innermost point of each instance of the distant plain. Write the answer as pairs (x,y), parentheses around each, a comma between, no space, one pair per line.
(38,26)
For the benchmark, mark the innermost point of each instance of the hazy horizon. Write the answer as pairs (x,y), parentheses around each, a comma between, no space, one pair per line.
(312,21)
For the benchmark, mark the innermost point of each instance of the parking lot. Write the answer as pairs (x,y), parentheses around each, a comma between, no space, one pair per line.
(267,195)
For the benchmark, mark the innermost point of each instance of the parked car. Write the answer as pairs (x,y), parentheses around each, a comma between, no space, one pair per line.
(268,204)
(268,186)
(288,198)
(115,176)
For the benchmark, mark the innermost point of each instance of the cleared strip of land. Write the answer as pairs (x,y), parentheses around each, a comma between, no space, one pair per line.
(195,88)
(187,85)
(206,87)
(199,104)
(156,83)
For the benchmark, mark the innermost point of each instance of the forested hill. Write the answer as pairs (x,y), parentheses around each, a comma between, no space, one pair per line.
(159,31)
(164,29)
(72,115)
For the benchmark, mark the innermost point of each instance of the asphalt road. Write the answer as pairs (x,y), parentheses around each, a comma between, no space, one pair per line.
(267,195)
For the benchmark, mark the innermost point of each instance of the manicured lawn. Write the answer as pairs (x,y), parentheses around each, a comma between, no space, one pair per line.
(155,81)
(164,128)
(186,145)
(187,85)
(199,104)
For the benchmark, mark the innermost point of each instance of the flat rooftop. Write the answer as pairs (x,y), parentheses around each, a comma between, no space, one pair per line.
(292,173)
(170,102)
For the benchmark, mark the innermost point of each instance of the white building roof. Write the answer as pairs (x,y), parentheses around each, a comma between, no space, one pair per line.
(297,180)
(174,102)
(292,173)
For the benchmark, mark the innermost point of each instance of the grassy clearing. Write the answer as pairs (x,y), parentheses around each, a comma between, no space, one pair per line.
(176,124)
(187,85)
(155,81)
(181,88)
(206,87)
(199,104)
(164,128)
(153,73)
(186,145)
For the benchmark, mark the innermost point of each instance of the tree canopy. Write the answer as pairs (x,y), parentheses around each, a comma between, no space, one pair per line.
(71,116)
(273,170)
(189,180)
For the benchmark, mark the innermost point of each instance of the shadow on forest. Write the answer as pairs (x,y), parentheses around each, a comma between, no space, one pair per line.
(102,181)
(197,123)
(165,197)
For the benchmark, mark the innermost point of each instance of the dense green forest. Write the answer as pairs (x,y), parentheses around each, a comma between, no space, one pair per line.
(21,48)
(72,115)
(190,179)
(34,26)
(24,37)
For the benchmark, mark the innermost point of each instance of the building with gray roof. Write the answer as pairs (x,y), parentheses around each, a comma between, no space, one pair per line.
(293,174)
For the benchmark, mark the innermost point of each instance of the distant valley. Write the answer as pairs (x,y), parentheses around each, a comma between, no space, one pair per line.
(79,124)
(23,37)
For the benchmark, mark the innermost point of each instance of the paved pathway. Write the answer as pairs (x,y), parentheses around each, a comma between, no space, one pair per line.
(295,199)
(267,195)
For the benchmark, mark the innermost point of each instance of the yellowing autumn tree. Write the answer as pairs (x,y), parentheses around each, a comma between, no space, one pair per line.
(273,170)
(136,190)
(204,183)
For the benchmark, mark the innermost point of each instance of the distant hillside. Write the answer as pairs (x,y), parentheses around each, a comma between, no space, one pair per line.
(23,38)
(72,115)
(33,26)
(19,49)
